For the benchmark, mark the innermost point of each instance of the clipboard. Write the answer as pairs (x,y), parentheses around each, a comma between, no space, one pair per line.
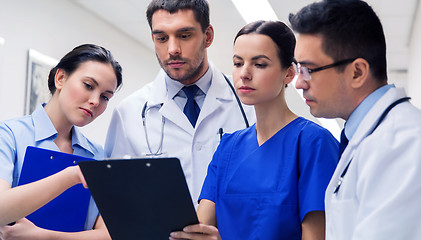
(68,211)
(143,198)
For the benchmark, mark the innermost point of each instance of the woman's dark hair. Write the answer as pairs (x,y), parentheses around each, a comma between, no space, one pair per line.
(349,29)
(200,9)
(280,34)
(80,54)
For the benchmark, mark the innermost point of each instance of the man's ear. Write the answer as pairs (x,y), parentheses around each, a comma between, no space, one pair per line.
(360,70)
(209,34)
(59,78)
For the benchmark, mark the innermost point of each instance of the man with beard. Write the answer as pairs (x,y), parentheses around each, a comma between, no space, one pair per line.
(188,106)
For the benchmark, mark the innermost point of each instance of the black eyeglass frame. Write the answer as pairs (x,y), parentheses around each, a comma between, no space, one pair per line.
(313,70)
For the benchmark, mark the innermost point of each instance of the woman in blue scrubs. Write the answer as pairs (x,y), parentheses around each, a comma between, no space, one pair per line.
(81,85)
(266,181)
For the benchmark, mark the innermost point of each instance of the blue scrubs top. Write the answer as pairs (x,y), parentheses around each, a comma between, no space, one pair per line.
(37,130)
(265,192)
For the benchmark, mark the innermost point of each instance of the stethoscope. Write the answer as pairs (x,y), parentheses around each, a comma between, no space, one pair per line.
(341,177)
(147,108)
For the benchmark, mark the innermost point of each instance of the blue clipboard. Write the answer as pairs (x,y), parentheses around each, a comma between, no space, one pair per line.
(67,212)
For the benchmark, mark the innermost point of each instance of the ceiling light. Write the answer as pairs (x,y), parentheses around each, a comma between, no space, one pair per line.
(252,10)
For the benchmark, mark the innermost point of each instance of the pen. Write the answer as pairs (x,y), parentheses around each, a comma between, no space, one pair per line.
(220,132)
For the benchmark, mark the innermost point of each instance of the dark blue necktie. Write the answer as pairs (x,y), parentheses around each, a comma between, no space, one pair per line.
(191,109)
(343,143)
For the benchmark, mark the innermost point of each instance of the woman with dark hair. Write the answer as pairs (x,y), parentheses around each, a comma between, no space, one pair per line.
(266,181)
(81,85)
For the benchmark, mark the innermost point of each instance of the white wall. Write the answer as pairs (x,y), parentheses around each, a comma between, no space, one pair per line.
(414,68)
(54,28)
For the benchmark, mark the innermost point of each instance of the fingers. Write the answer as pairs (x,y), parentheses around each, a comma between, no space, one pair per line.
(197,232)
(187,236)
(80,176)
(3,232)
(82,179)
(201,228)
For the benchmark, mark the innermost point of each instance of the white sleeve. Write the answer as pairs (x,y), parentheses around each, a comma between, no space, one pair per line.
(116,143)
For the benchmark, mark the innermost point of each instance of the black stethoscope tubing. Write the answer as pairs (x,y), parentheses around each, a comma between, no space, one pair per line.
(386,111)
(146,108)
(238,102)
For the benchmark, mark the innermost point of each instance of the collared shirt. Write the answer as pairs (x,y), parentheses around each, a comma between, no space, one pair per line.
(174,89)
(360,112)
(37,130)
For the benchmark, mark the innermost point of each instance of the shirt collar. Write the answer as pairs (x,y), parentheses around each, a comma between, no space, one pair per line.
(78,139)
(360,112)
(204,83)
(44,129)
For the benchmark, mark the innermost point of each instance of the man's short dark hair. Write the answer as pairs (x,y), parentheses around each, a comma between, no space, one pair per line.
(349,29)
(200,9)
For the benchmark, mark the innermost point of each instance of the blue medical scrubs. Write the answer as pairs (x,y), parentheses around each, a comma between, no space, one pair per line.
(264,192)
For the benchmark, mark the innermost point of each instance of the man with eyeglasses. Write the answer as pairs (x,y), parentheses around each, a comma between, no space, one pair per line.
(375,192)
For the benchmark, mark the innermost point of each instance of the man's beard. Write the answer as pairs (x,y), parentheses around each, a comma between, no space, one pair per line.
(190,73)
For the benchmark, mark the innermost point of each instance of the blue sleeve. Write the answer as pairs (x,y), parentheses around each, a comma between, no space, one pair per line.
(209,186)
(318,157)
(7,153)
(221,155)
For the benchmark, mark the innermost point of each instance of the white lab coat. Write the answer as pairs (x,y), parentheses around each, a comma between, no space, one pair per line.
(193,146)
(380,196)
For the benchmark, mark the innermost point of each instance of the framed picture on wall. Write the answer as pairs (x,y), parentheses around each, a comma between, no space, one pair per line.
(39,66)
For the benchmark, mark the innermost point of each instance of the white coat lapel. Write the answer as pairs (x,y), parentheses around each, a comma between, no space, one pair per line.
(158,92)
(218,94)
(372,117)
(169,109)
(173,113)
(367,125)
(363,130)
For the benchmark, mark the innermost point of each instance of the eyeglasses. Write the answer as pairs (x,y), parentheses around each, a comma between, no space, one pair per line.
(305,71)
